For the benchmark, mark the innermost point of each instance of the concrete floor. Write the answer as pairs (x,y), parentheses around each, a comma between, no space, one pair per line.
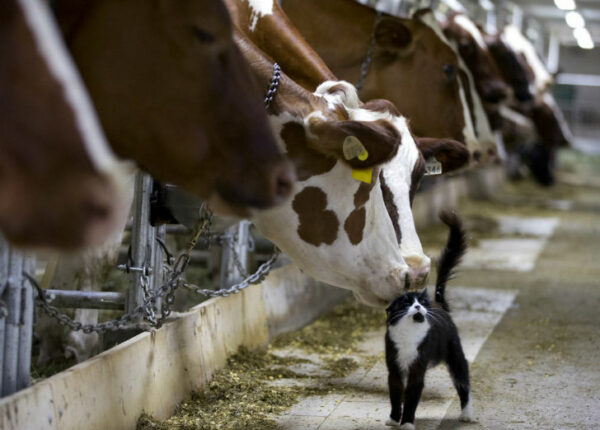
(527,304)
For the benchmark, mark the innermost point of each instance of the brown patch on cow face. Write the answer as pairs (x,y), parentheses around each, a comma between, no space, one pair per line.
(390,206)
(308,161)
(355,222)
(488,82)
(317,224)
(355,225)
(364,190)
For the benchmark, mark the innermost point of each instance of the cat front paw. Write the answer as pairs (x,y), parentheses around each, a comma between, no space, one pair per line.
(392,422)
(407,426)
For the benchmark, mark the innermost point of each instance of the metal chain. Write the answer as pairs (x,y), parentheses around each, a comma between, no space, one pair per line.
(148,310)
(366,64)
(272,90)
(256,277)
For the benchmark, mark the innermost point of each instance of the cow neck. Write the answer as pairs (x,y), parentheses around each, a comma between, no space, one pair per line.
(291,98)
(366,64)
(355,28)
(277,37)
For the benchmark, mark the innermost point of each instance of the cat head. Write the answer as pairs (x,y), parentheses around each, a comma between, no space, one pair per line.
(413,305)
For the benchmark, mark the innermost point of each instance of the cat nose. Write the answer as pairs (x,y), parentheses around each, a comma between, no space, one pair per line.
(417,307)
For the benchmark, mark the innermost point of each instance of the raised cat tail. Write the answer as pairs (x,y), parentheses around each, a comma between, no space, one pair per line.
(451,255)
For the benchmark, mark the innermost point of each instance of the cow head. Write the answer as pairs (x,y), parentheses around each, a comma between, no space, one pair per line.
(60,185)
(473,49)
(512,67)
(174,94)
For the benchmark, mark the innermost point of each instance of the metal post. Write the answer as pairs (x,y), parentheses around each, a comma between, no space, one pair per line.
(157,260)
(140,233)
(4,251)
(26,326)
(553,58)
(11,336)
(229,270)
(517,17)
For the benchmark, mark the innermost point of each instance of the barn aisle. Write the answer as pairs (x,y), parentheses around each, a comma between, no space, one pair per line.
(526,303)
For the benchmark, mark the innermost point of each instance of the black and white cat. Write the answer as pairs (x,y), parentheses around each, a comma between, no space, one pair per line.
(421,335)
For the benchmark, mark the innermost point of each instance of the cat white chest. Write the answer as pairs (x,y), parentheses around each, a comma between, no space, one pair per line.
(407,335)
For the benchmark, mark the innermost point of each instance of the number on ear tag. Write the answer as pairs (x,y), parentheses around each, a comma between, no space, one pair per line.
(433,167)
(363,175)
(352,148)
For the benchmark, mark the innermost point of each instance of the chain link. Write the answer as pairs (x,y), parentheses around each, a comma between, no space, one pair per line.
(272,90)
(148,310)
(366,64)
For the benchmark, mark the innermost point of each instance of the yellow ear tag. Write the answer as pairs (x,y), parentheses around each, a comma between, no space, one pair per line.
(363,175)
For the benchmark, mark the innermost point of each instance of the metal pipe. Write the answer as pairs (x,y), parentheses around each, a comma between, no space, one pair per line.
(3,306)
(26,327)
(157,261)
(11,337)
(139,238)
(86,299)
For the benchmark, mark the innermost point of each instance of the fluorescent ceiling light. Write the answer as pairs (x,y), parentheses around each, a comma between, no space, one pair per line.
(584,38)
(574,19)
(565,4)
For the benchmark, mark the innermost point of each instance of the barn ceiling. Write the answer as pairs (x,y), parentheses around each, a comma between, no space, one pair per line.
(553,19)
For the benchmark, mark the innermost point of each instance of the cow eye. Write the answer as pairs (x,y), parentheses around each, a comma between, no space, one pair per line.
(449,71)
(202,35)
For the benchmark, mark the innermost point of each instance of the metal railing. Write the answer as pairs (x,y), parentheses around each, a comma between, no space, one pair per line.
(154,276)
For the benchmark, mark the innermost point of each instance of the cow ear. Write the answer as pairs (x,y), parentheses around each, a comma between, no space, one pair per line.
(392,34)
(360,144)
(451,153)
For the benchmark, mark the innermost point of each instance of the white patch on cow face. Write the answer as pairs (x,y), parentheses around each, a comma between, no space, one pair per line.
(564,127)
(348,97)
(515,39)
(259,8)
(469,26)
(52,49)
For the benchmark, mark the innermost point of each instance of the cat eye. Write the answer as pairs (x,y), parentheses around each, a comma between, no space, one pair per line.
(202,35)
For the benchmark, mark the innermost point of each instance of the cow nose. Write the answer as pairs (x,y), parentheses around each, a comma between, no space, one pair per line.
(282,181)
(418,269)
(495,92)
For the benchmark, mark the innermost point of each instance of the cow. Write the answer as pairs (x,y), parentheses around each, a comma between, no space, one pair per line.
(411,64)
(174,94)
(342,231)
(524,71)
(470,42)
(542,79)
(60,184)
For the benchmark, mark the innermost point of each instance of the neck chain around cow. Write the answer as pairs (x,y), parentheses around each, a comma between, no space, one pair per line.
(366,64)
(273,85)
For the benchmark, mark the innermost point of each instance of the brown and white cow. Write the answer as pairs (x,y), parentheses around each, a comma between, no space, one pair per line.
(60,184)
(524,71)
(342,231)
(174,94)
(338,229)
(473,49)
(412,65)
